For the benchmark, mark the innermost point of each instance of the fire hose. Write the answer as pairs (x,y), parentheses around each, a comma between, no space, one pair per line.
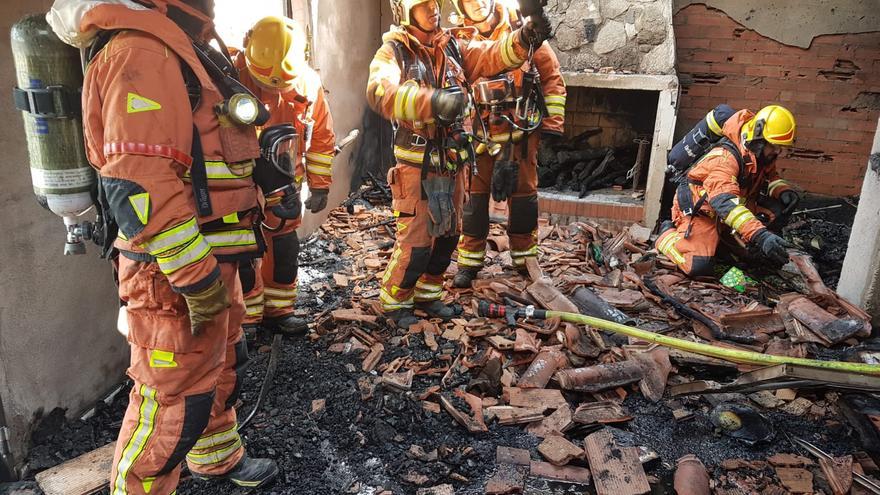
(267,379)
(491,310)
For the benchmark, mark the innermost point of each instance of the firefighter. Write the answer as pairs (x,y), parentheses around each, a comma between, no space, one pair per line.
(273,66)
(418,80)
(175,159)
(734,186)
(512,174)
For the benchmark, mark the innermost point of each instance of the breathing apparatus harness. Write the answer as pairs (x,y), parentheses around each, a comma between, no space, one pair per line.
(451,149)
(239,106)
(497,97)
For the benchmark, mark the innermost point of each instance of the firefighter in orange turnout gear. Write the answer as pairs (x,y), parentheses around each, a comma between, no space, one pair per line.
(152,133)
(417,80)
(734,187)
(493,19)
(273,66)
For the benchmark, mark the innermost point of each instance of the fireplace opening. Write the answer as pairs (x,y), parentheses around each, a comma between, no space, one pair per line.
(599,154)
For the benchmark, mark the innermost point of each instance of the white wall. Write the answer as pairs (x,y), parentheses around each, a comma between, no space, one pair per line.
(58,343)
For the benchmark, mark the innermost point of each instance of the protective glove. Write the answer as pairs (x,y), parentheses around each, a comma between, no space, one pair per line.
(505,175)
(771,246)
(289,208)
(536,31)
(447,104)
(205,305)
(789,200)
(441,212)
(317,200)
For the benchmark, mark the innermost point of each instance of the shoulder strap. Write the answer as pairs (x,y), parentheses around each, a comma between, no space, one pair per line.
(734,150)
(403,56)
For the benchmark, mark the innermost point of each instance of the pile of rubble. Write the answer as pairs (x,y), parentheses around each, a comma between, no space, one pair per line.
(567,384)
(482,405)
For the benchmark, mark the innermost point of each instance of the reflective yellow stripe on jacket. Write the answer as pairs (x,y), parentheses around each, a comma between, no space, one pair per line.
(319,163)
(555,105)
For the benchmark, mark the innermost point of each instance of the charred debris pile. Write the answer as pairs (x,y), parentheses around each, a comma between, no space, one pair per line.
(530,405)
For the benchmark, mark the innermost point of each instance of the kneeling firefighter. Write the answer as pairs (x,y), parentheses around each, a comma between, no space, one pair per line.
(520,106)
(734,186)
(300,130)
(171,133)
(419,79)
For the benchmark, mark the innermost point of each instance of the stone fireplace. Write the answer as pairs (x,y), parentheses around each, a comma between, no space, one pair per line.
(618,61)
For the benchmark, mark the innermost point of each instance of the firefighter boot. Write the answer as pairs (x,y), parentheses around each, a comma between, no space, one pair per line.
(287,325)
(403,317)
(464,277)
(436,309)
(250,472)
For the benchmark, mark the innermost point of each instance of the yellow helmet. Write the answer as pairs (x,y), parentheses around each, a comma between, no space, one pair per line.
(773,124)
(401,10)
(275,51)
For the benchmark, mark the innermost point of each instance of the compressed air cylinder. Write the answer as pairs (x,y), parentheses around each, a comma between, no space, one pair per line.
(698,140)
(60,173)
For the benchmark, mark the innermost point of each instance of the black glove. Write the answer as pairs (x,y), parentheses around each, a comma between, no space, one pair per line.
(441,211)
(536,31)
(317,200)
(505,176)
(789,200)
(771,246)
(447,104)
(290,206)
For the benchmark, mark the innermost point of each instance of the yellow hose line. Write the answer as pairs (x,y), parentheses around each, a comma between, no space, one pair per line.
(732,355)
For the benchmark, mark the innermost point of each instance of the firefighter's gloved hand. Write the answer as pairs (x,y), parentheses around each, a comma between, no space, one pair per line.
(504,179)
(441,211)
(789,200)
(289,208)
(447,104)
(771,246)
(205,305)
(317,200)
(537,30)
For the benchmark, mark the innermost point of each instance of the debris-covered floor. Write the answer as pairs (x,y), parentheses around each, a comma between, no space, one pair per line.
(358,407)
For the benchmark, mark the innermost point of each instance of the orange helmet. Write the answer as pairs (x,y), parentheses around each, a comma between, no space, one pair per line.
(274,50)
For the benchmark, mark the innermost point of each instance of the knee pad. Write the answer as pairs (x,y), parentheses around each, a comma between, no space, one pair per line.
(523,215)
(285,250)
(247,275)
(702,266)
(197,412)
(441,255)
(241,361)
(418,263)
(475,216)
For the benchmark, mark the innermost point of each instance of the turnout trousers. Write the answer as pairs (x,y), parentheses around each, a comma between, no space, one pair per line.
(522,223)
(269,283)
(185,386)
(418,261)
(694,253)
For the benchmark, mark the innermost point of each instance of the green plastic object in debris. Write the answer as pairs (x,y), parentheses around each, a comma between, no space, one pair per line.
(596,252)
(736,280)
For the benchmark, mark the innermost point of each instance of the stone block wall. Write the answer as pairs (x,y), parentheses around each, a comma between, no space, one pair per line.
(625,35)
(832,87)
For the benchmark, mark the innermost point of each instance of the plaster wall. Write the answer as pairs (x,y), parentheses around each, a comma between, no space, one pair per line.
(860,276)
(797,22)
(58,341)
(346,38)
